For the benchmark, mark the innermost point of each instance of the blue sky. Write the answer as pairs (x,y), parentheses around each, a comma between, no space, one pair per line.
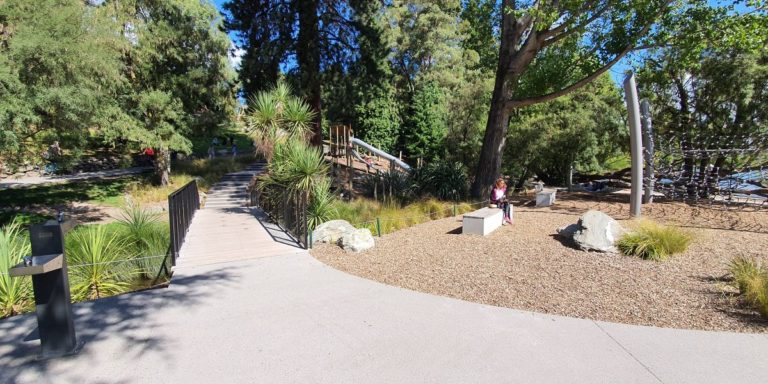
(617,72)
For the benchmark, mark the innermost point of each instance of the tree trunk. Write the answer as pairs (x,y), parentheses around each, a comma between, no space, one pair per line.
(514,57)
(163,167)
(489,164)
(308,57)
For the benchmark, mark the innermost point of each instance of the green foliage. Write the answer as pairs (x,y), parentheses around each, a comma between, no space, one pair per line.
(99,262)
(125,74)
(321,205)
(751,279)
(719,98)
(147,236)
(58,72)
(443,180)
(295,166)
(276,116)
(362,213)
(424,126)
(653,241)
(583,130)
(392,186)
(15,292)
(378,118)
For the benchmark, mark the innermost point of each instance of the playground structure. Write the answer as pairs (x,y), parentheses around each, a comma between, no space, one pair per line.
(356,155)
(730,169)
(697,169)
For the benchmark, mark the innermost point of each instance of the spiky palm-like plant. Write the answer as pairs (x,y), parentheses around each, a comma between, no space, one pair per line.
(147,235)
(99,265)
(275,116)
(15,292)
(321,208)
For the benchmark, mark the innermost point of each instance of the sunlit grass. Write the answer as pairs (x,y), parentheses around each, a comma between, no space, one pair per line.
(362,213)
(654,241)
(751,279)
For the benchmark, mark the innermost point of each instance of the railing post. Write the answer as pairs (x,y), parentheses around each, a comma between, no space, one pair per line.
(378,227)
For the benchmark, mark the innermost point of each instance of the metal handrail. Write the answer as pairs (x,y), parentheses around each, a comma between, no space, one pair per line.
(182,205)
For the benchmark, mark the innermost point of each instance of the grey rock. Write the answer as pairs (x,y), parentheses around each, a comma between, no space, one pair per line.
(597,232)
(358,240)
(331,231)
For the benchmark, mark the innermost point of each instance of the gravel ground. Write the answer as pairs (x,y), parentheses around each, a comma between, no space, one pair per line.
(526,266)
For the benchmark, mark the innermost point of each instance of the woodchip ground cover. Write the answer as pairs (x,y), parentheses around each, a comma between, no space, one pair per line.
(527,267)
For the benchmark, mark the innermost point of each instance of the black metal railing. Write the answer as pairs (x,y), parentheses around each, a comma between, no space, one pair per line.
(182,205)
(286,209)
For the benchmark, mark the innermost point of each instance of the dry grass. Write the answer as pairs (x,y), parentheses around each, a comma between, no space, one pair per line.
(525,266)
(363,213)
(653,241)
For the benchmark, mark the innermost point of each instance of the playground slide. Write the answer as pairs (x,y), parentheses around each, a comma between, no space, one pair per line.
(379,152)
(360,158)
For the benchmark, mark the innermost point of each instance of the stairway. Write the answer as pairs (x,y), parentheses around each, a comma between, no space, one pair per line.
(231,191)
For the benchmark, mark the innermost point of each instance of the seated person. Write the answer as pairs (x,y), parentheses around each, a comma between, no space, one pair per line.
(499,198)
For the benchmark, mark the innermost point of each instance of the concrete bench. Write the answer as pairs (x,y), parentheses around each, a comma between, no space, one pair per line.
(546,197)
(482,222)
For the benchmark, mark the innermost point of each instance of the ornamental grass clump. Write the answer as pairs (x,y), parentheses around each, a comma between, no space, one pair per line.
(15,292)
(99,262)
(654,241)
(750,277)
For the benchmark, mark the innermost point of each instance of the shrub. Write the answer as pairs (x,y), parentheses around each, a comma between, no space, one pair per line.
(15,292)
(654,241)
(751,278)
(392,186)
(320,208)
(147,237)
(444,181)
(99,262)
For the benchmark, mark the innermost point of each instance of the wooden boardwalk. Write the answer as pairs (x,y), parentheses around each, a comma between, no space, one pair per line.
(226,229)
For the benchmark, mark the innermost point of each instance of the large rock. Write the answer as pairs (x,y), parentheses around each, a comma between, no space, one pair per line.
(331,231)
(358,240)
(596,232)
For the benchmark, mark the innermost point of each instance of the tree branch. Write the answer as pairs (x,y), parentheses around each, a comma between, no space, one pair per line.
(554,38)
(512,104)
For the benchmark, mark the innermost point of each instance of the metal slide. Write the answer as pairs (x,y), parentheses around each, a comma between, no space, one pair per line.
(370,148)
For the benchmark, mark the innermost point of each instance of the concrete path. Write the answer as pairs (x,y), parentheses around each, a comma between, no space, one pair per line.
(30,181)
(242,309)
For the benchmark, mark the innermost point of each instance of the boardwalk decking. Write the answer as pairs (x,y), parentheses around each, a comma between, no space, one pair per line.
(226,229)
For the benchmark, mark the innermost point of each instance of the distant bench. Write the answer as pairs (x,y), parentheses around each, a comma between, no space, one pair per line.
(482,222)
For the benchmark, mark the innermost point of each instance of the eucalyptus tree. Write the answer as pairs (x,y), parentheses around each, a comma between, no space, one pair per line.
(606,32)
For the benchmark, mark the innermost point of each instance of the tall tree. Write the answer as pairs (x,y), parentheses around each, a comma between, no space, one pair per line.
(311,35)
(606,30)
(58,75)
(308,57)
(180,81)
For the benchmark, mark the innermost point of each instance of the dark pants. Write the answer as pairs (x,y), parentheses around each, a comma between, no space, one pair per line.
(505,207)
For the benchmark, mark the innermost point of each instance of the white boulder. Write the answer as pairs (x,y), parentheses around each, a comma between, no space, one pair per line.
(358,240)
(596,232)
(331,231)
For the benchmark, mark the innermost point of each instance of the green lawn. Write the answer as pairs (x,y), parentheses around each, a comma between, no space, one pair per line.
(112,192)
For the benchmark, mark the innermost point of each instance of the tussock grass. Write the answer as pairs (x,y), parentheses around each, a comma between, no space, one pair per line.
(654,241)
(751,279)
(362,213)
